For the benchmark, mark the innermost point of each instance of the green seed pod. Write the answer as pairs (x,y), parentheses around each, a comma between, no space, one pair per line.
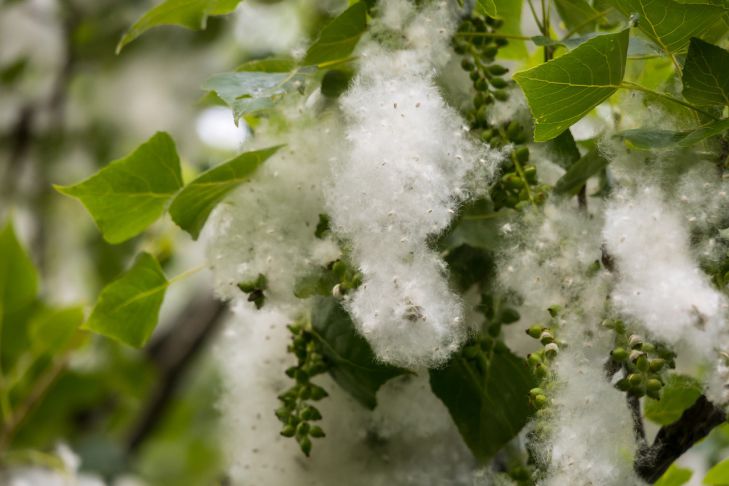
(656,364)
(283,413)
(310,413)
(497,23)
(501,95)
(475,75)
(540,401)
(305,444)
(288,431)
(471,352)
(654,394)
(530,173)
(248,286)
(467,64)
(647,347)
(619,355)
(317,392)
(635,341)
(460,47)
(535,331)
(653,385)
(487,134)
(622,384)
(535,391)
(501,42)
(498,83)
(541,371)
(302,429)
(497,70)
(635,379)
(522,155)
(642,363)
(489,52)
(509,315)
(546,337)
(316,432)
(551,350)
(512,181)
(481,84)
(555,309)
(534,359)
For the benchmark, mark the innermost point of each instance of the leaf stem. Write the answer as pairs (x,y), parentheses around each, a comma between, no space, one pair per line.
(535,16)
(494,35)
(665,96)
(520,171)
(186,273)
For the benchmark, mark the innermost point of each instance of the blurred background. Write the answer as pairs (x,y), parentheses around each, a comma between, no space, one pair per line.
(69,105)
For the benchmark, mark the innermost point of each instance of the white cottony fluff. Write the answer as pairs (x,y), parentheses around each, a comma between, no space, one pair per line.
(660,285)
(405,172)
(408,440)
(591,430)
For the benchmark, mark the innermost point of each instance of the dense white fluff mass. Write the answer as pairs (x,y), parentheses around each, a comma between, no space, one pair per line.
(267,226)
(406,169)
(590,435)
(660,285)
(409,439)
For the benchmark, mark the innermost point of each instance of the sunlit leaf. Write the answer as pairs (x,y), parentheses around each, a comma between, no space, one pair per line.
(268,65)
(718,475)
(338,39)
(510,11)
(192,14)
(129,194)
(192,206)
(706,74)
(679,394)
(562,91)
(671,24)
(52,329)
(128,308)
(578,174)
(487,7)
(248,92)
(577,15)
(18,275)
(675,476)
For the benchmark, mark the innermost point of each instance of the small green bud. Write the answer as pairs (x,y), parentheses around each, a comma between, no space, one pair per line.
(501,95)
(647,347)
(634,355)
(501,42)
(656,364)
(635,379)
(489,52)
(546,337)
(540,401)
(653,385)
(512,181)
(316,432)
(283,413)
(535,391)
(305,444)
(498,83)
(481,84)
(534,359)
(541,371)
(535,331)
(509,315)
(654,394)
(310,413)
(317,392)
(467,64)
(623,384)
(288,431)
(522,155)
(555,309)
(513,130)
(642,363)
(471,351)
(497,70)
(635,341)
(619,355)
(530,173)
(302,428)
(551,350)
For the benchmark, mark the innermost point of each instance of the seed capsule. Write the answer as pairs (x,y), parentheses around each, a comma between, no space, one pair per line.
(546,337)
(535,331)
(653,385)
(635,379)
(619,355)
(635,341)
(657,364)
(551,350)
(497,70)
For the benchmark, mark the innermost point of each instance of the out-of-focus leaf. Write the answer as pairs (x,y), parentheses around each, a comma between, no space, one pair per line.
(192,206)
(712,129)
(487,397)
(577,175)
(651,139)
(18,275)
(192,14)
(353,364)
(487,7)
(338,39)
(478,226)
(577,15)
(675,476)
(128,308)
(563,150)
(706,74)
(510,12)
(269,65)
(562,91)
(250,91)
(129,194)
(318,282)
(52,329)
(335,82)
(679,394)
(671,24)
(718,475)
(11,72)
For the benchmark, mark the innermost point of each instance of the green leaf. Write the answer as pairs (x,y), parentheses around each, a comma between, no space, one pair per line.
(510,12)
(487,398)
(52,329)
(487,7)
(577,175)
(320,281)
(338,39)
(563,150)
(192,206)
(18,275)
(192,14)
(336,82)
(562,91)
(679,394)
(671,24)
(269,65)
(577,15)
(353,364)
(129,194)
(712,129)
(128,308)
(248,92)
(706,74)
(718,475)
(651,139)
(675,476)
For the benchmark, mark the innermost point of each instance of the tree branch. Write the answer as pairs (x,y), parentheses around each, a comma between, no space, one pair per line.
(675,439)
